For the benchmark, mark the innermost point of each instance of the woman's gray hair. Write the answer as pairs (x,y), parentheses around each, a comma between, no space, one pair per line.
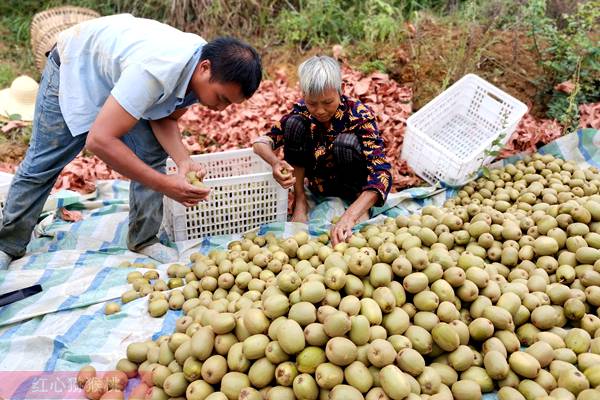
(318,74)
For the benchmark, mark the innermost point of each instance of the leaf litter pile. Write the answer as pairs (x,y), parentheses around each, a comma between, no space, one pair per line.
(207,131)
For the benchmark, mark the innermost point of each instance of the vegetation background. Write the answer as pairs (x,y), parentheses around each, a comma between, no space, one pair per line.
(526,47)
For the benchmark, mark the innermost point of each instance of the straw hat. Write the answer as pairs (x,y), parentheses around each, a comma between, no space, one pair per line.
(19,98)
(47,24)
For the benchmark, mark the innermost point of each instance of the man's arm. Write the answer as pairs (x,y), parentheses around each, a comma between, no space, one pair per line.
(104,140)
(168,135)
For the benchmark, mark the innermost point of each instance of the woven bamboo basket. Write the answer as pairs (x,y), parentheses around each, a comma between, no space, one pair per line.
(47,24)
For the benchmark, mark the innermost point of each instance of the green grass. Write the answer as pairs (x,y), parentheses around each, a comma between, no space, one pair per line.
(371,66)
(7,75)
(16,56)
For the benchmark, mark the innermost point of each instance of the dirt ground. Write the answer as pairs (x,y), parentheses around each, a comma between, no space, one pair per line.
(11,152)
(436,56)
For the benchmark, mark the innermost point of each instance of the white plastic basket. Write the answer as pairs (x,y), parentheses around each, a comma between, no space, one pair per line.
(244,196)
(5,180)
(447,138)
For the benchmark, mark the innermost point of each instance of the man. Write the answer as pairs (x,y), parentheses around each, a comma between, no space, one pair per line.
(333,141)
(116,86)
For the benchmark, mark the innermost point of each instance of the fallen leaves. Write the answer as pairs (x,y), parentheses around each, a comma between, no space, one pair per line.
(362,87)
(589,115)
(81,174)
(7,167)
(534,132)
(70,215)
(14,124)
(530,134)
(565,87)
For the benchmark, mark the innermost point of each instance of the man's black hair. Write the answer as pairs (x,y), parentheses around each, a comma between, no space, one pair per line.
(232,60)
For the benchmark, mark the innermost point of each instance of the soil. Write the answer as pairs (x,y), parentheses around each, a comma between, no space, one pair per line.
(436,56)
(285,59)
(16,58)
(12,153)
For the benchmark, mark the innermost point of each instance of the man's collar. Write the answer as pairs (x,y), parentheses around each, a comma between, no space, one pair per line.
(190,68)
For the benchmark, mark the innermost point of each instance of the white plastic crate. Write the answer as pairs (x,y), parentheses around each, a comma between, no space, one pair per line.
(5,179)
(447,138)
(244,196)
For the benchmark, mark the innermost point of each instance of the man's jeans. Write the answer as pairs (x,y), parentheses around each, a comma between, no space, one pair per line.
(51,148)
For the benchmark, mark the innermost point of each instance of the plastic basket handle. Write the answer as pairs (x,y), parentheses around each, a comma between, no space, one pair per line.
(493,96)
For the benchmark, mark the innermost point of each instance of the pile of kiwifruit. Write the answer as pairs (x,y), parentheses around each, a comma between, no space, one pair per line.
(496,291)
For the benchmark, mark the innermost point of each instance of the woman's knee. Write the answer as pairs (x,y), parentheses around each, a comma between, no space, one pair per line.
(297,142)
(347,150)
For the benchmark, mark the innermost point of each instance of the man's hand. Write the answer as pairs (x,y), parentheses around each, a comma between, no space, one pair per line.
(284,174)
(188,165)
(343,229)
(179,189)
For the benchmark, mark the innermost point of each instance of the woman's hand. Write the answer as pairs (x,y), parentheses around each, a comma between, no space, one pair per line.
(343,229)
(284,174)
(355,213)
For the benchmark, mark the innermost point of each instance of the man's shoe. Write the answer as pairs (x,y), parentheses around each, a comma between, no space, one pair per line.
(5,260)
(160,253)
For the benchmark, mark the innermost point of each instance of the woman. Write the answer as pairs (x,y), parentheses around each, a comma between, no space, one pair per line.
(334,142)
